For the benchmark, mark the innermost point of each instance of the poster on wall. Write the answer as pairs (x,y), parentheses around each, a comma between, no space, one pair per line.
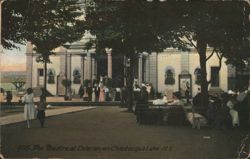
(185,85)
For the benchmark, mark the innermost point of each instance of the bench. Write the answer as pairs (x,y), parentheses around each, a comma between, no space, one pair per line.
(160,115)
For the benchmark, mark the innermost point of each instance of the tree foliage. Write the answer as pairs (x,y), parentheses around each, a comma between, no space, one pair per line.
(124,25)
(130,27)
(223,26)
(47,24)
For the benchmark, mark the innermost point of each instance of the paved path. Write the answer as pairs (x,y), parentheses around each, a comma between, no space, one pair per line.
(112,133)
(10,119)
(48,99)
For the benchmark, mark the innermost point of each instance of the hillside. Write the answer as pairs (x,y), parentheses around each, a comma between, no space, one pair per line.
(8,77)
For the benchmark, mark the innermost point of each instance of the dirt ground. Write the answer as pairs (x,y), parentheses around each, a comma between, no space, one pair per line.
(112,133)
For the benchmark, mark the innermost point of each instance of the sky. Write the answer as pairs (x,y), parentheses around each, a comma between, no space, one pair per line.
(13,60)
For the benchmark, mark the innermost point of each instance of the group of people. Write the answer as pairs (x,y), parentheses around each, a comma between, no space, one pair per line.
(32,112)
(99,93)
(148,87)
(162,100)
(228,109)
(146,93)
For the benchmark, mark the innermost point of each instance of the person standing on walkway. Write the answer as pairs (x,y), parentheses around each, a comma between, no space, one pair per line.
(9,98)
(187,93)
(81,91)
(101,95)
(85,94)
(89,92)
(41,109)
(234,114)
(124,95)
(106,92)
(97,92)
(29,107)
(243,108)
(93,94)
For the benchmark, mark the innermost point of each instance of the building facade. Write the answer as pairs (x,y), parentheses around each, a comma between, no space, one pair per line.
(168,71)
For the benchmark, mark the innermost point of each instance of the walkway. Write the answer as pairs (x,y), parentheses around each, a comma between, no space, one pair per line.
(112,133)
(10,119)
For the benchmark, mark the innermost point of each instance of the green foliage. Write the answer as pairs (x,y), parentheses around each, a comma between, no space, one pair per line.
(130,27)
(66,82)
(47,24)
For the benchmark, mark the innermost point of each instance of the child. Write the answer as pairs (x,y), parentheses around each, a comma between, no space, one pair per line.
(41,110)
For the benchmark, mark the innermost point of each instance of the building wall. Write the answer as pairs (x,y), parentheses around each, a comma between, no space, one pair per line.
(165,59)
(155,70)
(75,64)
(171,57)
(54,65)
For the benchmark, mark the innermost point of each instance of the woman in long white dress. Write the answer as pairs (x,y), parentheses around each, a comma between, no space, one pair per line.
(29,107)
(93,94)
(234,114)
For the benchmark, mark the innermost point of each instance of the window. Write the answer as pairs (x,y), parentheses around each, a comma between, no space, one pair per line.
(169,76)
(197,73)
(51,76)
(40,72)
(215,76)
(77,76)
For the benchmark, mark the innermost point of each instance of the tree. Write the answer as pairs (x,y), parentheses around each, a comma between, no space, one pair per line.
(223,26)
(132,27)
(46,24)
(128,28)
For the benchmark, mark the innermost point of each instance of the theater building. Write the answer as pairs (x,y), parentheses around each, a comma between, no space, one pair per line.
(168,71)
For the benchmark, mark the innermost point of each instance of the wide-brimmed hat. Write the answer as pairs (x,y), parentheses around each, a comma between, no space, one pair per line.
(231,92)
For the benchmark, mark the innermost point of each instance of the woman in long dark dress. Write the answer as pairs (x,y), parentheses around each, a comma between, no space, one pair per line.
(243,108)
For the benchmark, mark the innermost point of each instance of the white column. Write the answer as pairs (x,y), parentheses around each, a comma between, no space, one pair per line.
(68,67)
(108,51)
(147,69)
(82,69)
(62,65)
(140,70)
(87,67)
(93,64)
(29,65)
